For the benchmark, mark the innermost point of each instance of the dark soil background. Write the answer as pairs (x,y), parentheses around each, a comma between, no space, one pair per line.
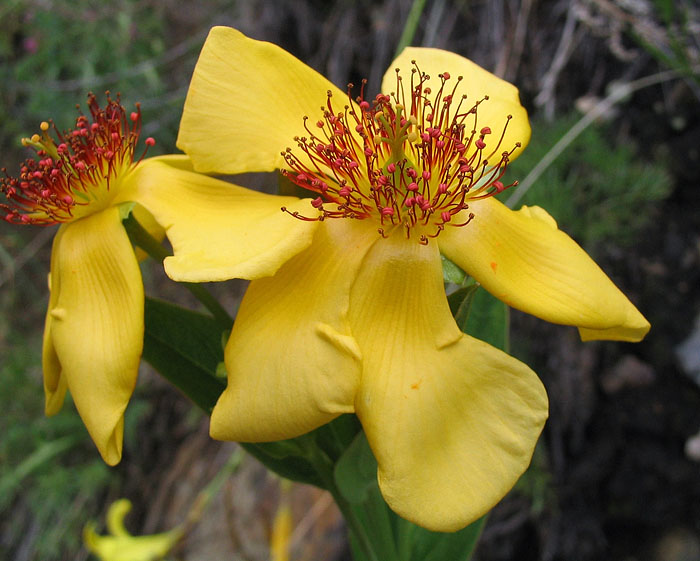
(616,475)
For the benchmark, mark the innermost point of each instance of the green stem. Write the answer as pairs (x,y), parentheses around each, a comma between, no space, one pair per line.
(324,467)
(409,29)
(139,236)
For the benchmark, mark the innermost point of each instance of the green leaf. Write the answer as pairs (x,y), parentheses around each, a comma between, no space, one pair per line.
(419,544)
(356,479)
(488,320)
(287,459)
(481,315)
(356,471)
(184,346)
(451,272)
(460,302)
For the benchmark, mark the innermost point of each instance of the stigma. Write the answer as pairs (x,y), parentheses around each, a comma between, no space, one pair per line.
(75,172)
(413,159)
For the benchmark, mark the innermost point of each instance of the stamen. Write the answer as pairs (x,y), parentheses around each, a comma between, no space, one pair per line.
(75,171)
(412,158)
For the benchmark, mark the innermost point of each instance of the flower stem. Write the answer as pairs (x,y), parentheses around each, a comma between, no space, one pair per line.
(325,468)
(140,237)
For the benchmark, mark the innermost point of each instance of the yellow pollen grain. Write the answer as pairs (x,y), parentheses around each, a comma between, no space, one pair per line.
(44,126)
(36,138)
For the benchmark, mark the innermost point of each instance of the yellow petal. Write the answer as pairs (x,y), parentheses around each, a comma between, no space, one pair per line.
(523,259)
(218,230)
(476,84)
(54,384)
(451,420)
(96,325)
(122,546)
(292,362)
(148,222)
(246,103)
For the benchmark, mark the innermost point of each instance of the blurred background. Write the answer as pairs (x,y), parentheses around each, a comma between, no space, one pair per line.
(617,473)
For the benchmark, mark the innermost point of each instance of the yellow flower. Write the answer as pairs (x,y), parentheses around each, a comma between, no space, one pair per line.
(84,179)
(358,321)
(120,545)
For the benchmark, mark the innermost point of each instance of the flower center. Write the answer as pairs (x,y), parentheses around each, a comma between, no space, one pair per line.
(76,173)
(413,160)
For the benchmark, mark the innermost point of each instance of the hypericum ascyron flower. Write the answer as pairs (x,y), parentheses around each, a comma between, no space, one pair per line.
(88,179)
(358,321)
(120,545)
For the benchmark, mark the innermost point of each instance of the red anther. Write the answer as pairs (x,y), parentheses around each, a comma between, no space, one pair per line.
(45,193)
(55,172)
(24,218)
(317,202)
(67,199)
(150,141)
(38,174)
(319,124)
(432,160)
(134,116)
(498,185)
(109,154)
(94,127)
(76,133)
(61,148)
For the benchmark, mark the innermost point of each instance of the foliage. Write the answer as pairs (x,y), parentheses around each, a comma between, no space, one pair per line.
(49,473)
(597,189)
(53,53)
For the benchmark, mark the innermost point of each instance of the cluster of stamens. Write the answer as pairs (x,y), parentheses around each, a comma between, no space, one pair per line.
(413,162)
(74,170)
